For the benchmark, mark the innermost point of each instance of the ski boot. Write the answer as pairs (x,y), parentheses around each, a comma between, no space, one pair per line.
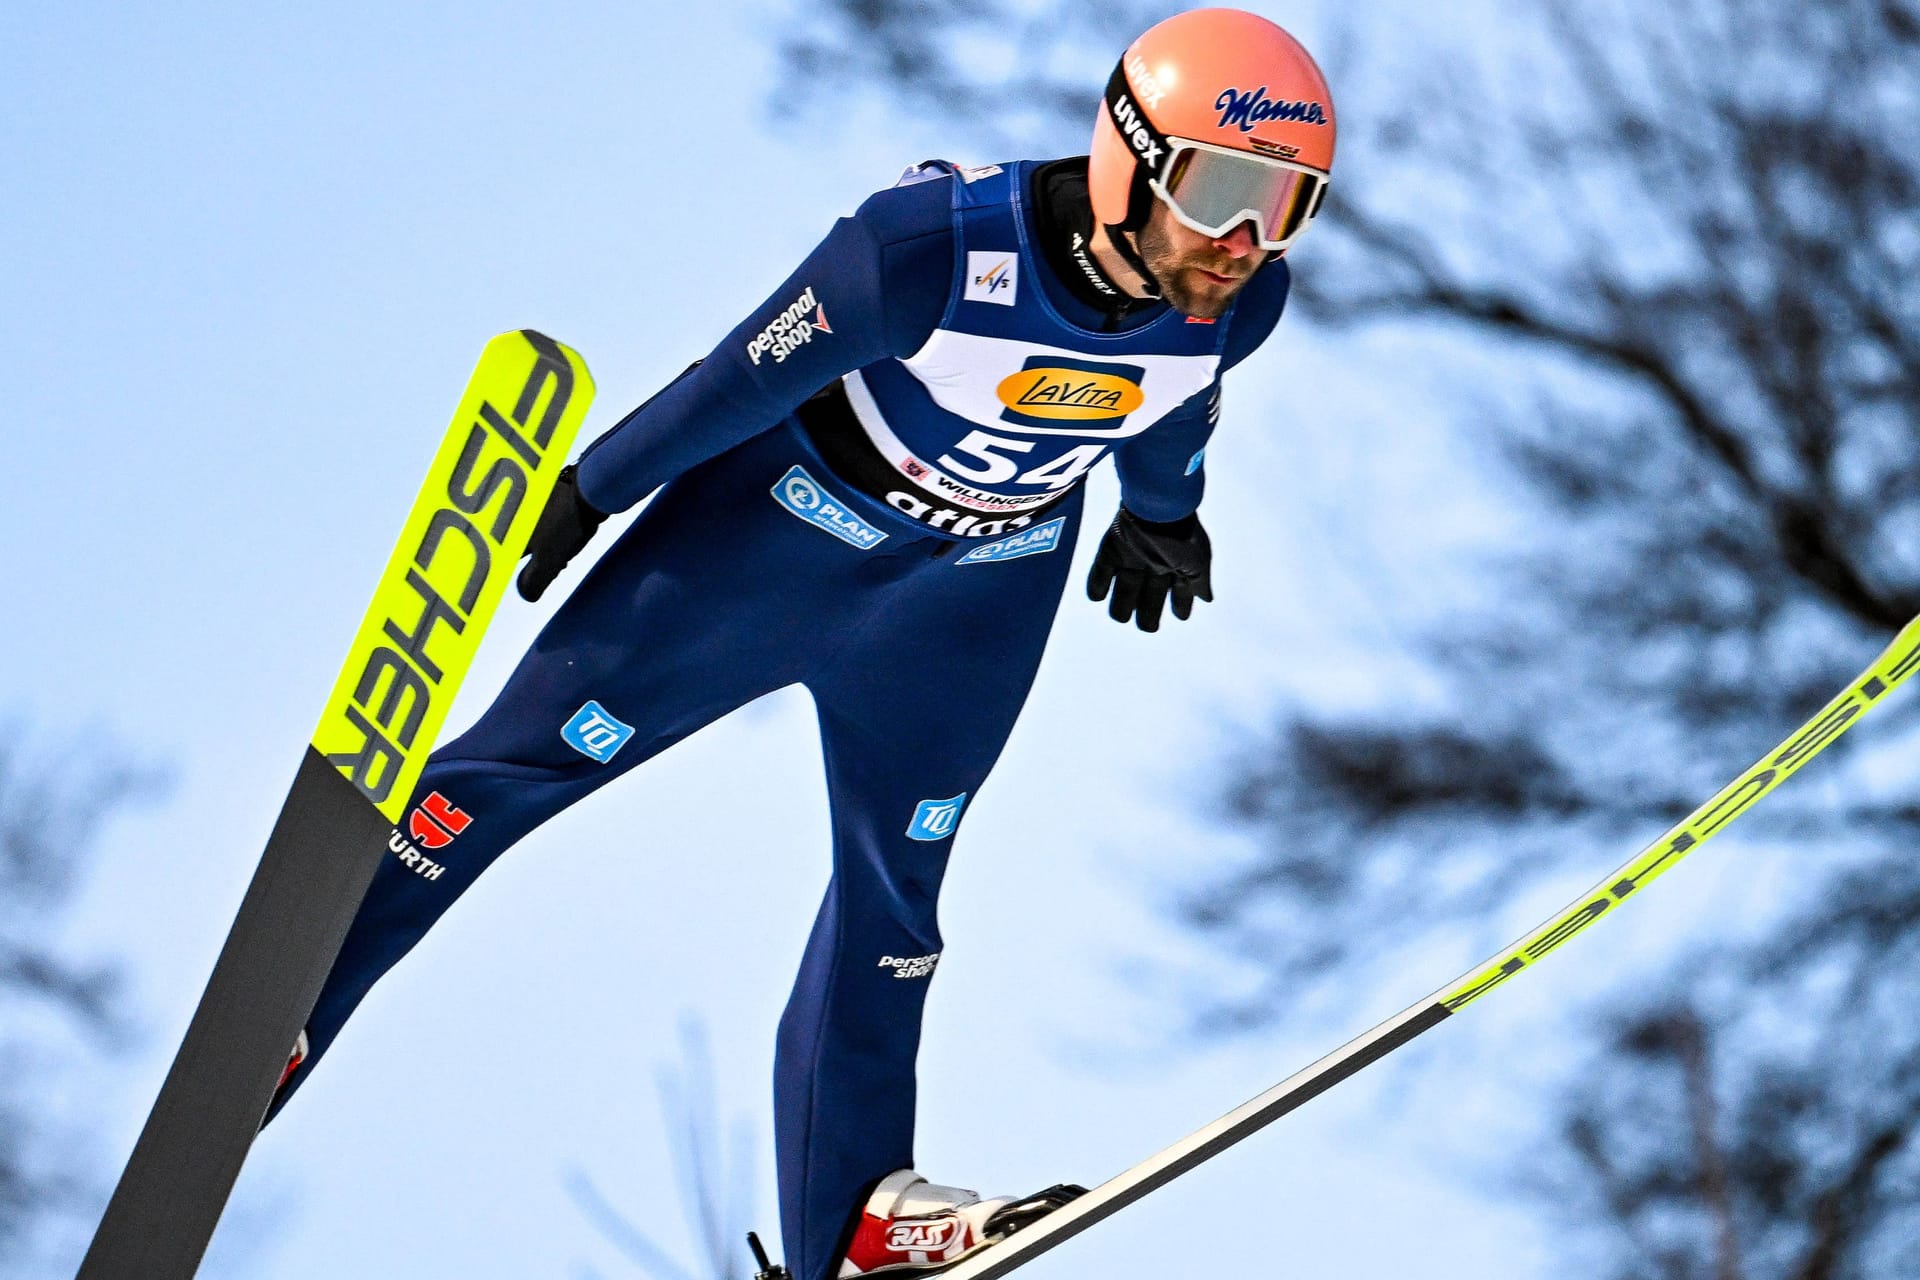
(912,1227)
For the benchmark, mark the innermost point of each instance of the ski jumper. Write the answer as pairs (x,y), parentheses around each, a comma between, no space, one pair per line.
(872,489)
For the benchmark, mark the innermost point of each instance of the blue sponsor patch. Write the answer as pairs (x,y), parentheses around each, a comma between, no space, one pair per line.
(801,494)
(1193,463)
(1028,542)
(594,733)
(936,819)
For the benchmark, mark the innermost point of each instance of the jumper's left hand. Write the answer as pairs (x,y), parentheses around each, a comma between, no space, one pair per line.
(566,525)
(1144,562)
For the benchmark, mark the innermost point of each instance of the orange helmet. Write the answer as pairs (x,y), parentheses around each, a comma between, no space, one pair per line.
(1221,116)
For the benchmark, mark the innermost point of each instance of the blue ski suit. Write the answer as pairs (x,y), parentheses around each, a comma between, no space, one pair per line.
(871,488)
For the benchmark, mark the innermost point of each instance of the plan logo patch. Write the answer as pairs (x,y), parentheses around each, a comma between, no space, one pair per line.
(1050,389)
(801,494)
(936,819)
(594,733)
(1031,542)
(992,277)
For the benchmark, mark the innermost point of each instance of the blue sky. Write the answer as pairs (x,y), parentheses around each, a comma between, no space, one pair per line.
(253,254)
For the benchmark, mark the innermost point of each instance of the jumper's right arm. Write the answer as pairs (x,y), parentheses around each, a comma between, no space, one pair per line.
(873,288)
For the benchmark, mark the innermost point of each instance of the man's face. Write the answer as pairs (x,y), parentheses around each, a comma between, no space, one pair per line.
(1198,274)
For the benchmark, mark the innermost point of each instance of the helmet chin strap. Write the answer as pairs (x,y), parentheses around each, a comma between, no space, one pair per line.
(1122,242)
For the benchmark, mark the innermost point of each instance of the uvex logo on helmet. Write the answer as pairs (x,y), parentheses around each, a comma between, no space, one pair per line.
(1134,128)
(1145,82)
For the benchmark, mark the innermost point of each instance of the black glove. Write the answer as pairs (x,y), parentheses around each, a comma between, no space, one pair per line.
(566,524)
(1143,562)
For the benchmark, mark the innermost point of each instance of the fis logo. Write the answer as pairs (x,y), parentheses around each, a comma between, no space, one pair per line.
(992,277)
(791,329)
(801,494)
(1035,541)
(936,819)
(436,822)
(923,1235)
(594,733)
(1247,108)
(1050,389)
(910,966)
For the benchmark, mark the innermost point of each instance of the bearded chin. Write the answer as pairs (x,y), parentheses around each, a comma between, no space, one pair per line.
(1172,276)
(1189,302)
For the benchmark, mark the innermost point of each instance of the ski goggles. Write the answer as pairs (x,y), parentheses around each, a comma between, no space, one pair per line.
(1212,190)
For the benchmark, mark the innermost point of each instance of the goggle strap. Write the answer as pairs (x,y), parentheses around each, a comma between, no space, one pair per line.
(1148,145)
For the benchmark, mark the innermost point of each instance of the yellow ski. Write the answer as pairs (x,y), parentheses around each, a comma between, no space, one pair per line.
(468,528)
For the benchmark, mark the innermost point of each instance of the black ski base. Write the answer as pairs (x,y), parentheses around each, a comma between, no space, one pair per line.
(324,849)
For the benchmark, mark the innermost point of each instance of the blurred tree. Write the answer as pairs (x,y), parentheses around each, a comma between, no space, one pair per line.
(1666,251)
(713,1164)
(52,806)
